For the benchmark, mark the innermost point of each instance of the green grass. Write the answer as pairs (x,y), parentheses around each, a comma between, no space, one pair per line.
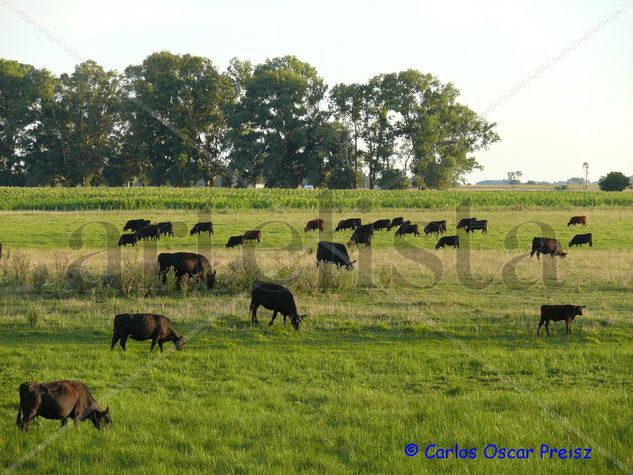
(373,368)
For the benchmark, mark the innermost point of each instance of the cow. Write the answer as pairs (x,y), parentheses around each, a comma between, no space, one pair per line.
(202,227)
(479,225)
(235,241)
(361,237)
(541,245)
(448,241)
(135,224)
(0,250)
(166,228)
(435,227)
(151,231)
(59,400)
(397,221)
(145,326)
(334,253)
(556,313)
(351,223)
(253,235)
(186,263)
(464,222)
(578,220)
(126,239)
(313,225)
(276,298)
(408,228)
(580,239)
(382,224)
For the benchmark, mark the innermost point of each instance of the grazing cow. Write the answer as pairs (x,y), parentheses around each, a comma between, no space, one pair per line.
(479,225)
(135,224)
(361,237)
(145,326)
(126,239)
(253,235)
(382,224)
(578,220)
(186,263)
(276,298)
(408,228)
(351,223)
(151,231)
(447,241)
(335,253)
(313,225)
(166,228)
(580,239)
(397,221)
(202,227)
(59,400)
(435,227)
(541,245)
(465,222)
(556,313)
(235,241)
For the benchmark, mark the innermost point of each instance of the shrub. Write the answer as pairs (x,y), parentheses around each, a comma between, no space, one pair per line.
(334,278)
(16,268)
(614,181)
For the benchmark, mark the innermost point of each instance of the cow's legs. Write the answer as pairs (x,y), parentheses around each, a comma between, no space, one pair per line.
(274,316)
(122,342)
(254,311)
(160,345)
(547,327)
(64,422)
(567,327)
(540,324)
(115,338)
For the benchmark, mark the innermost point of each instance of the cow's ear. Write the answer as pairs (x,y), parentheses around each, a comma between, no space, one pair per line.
(302,316)
(354,261)
(107,411)
(214,272)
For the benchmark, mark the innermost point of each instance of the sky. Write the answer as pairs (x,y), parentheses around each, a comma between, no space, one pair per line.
(556,77)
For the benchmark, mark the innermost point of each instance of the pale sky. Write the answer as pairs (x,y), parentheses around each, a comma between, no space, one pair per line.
(578,109)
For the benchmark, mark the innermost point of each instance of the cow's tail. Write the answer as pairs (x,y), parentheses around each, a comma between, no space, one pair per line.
(24,387)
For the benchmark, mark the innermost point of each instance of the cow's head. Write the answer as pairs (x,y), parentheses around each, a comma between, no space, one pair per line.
(99,419)
(350,266)
(211,279)
(578,309)
(296,321)
(179,343)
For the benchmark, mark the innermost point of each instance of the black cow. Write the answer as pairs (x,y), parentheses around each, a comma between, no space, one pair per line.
(351,223)
(126,239)
(59,400)
(580,239)
(382,224)
(186,263)
(135,224)
(202,227)
(276,298)
(479,225)
(435,227)
(556,313)
(166,228)
(235,241)
(397,221)
(448,241)
(408,229)
(252,235)
(335,253)
(464,222)
(541,245)
(151,231)
(145,326)
(360,237)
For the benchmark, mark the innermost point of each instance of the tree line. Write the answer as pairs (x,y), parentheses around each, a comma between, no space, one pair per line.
(179,120)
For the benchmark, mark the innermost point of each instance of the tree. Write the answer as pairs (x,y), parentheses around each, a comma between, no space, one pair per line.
(443,134)
(614,181)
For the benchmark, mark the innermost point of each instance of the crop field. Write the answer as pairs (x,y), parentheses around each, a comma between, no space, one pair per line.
(412,346)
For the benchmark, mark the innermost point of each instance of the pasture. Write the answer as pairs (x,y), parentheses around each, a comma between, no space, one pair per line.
(413,346)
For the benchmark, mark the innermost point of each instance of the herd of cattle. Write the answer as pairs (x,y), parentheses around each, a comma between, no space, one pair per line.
(63,400)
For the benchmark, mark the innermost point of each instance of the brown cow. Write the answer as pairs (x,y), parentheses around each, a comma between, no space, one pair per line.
(313,225)
(541,245)
(556,313)
(59,400)
(145,326)
(578,220)
(253,235)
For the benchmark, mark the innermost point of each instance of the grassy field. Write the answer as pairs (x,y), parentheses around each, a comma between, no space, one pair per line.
(384,358)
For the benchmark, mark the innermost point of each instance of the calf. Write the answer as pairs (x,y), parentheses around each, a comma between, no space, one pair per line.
(408,229)
(59,400)
(253,235)
(481,225)
(397,221)
(166,228)
(276,298)
(435,227)
(541,245)
(448,241)
(556,313)
(582,220)
(235,241)
(126,239)
(464,222)
(313,225)
(202,227)
(382,224)
(135,224)
(145,326)
(580,239)
(335,253)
